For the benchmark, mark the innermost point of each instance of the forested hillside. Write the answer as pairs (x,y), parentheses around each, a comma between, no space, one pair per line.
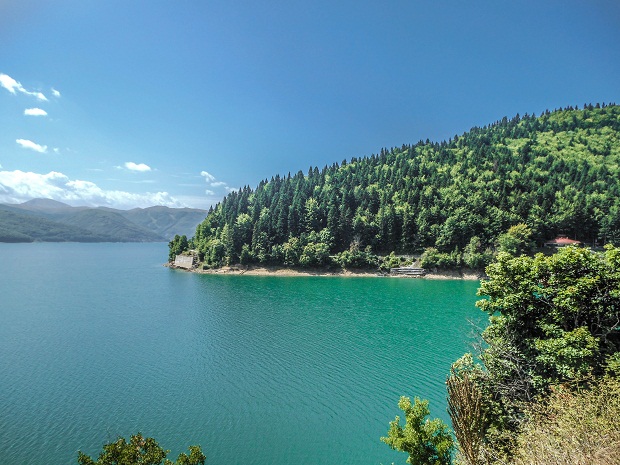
(558,173)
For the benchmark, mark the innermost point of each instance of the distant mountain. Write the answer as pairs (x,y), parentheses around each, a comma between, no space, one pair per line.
(45,205)
(166,222)
(51,221)
(111,223)
(27,227)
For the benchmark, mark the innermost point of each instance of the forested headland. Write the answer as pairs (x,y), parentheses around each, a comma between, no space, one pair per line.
(454,201)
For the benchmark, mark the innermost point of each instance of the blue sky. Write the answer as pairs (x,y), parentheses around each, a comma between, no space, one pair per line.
(137,103)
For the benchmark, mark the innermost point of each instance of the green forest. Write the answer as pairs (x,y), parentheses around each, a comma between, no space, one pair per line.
(542,385)
(454,201)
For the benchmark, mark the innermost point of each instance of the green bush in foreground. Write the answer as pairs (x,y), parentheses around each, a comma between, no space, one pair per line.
(140,451)
(428,442)
(547,390)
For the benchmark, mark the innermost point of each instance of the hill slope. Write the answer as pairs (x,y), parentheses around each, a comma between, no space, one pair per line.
(25,227)
(112,223)
(164,221)
(558,173)
(51,221)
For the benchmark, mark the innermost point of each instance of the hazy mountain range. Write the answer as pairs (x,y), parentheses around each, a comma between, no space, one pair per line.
(51,221)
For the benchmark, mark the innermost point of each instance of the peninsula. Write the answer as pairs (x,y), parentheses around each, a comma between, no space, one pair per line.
(512,186)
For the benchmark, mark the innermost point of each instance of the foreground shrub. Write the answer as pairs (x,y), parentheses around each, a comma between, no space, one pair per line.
(466,409)
(428,442)
(140,451)
(573,427)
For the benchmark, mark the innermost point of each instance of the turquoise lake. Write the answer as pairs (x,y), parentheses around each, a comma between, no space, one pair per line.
(100,340)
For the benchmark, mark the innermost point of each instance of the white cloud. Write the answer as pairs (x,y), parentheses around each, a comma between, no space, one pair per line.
(9,83)
(208,177)
(19,186)
(55,93)
(212,182)
(199,201)
(35,112)
(56,150)
(28,144)
(12,86)
(137,166)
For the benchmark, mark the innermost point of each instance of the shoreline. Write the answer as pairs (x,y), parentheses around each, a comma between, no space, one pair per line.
(252,270)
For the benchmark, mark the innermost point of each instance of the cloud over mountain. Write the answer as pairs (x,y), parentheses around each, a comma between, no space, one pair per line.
(213,182)
(20,186)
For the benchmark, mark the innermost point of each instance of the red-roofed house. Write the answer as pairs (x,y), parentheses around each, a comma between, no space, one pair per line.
(561,241)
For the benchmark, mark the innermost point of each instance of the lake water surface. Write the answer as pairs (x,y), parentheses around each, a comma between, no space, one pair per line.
(99,341)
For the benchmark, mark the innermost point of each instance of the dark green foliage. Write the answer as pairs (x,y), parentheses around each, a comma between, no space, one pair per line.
(140,451)
(517,240)
(246,255)
(392,261)
(474,256)
(554,174)
(177,246)
(355,258)
(554,320)
(547,389)
(433,258)
(559,313)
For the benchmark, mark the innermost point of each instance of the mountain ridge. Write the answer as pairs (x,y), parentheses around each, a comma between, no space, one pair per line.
(48,220)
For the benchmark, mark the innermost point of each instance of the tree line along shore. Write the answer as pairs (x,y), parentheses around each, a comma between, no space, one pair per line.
(510,186)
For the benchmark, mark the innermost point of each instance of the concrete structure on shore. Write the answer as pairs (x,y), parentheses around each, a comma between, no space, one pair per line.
(184,261)
(408,271)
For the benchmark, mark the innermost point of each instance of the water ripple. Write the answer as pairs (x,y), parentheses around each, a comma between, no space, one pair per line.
(257,370)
